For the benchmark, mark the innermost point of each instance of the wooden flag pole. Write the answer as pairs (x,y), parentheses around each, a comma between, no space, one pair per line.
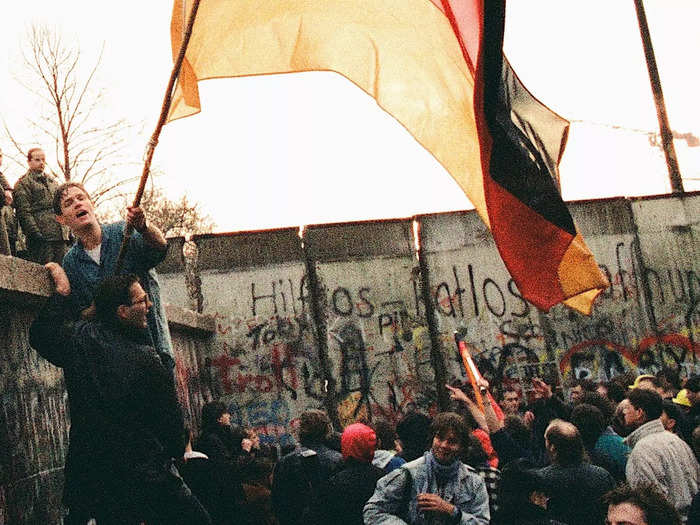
(472,370)
(161,122)
(674,172)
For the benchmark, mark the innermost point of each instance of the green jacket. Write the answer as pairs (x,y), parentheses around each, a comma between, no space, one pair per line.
(4,185)
(33,200)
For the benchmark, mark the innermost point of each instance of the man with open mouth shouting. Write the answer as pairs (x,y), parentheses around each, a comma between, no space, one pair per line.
(94,256)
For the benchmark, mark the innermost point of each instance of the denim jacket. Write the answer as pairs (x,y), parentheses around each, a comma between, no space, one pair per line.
(85,276)
(387,506)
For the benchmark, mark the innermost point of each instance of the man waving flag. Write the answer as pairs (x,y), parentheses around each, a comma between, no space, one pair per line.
(437,67)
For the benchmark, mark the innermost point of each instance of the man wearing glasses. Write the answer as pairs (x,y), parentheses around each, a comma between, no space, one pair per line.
(126,422)
(94,257)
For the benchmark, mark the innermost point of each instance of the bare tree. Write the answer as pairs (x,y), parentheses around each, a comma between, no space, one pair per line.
(174,218)
(88,146)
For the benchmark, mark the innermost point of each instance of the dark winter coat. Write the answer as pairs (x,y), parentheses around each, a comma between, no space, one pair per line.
(584,484)
(217,487)
(126,422)
(297,481)
(344,496)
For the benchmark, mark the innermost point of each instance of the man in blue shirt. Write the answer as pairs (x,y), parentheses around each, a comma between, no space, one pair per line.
(94,257)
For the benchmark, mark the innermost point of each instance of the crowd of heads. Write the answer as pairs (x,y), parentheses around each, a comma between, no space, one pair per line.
(596,411)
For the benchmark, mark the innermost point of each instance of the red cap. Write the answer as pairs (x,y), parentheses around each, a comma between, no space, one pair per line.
(358,442)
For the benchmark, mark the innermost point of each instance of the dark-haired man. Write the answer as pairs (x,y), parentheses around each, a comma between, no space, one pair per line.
(510,402)
(299,476)
(643,506)
(658,457)
(126,422)
(94,257)
(569,478)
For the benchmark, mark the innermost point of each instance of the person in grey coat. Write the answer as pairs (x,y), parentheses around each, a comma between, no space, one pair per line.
(436,488)
(659,457)
(47,240)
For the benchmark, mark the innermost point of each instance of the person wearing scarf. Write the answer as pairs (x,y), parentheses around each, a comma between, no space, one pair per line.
(436,489)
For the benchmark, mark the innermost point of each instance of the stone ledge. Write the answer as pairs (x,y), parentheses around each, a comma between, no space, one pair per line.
(28,284)
(190,321)
(23,282)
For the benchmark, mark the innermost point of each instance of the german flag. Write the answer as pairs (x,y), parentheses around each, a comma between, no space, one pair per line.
(437,66)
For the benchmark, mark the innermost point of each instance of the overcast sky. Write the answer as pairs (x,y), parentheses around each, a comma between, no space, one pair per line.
(308,148)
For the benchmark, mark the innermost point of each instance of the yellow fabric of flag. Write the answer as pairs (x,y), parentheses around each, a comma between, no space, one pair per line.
(416,58)
(403,53)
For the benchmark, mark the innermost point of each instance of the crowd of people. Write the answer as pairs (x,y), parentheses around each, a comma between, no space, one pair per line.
(623,452)
(617,453)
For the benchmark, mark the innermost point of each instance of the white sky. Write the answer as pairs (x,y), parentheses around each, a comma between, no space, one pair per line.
(300,149)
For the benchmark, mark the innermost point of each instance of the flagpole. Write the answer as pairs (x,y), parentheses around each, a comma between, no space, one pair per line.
(666,133)
(167,100)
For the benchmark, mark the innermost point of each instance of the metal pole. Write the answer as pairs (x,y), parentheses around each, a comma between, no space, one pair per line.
(666,134)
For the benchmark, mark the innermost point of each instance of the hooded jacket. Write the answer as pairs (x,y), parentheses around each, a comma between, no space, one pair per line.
(664,459)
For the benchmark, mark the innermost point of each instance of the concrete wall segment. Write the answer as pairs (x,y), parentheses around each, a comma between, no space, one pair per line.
(174,261)
(264,363)
(446,231)
(248,249)
(338,242)
(609,216)
(22,281)
(377,338)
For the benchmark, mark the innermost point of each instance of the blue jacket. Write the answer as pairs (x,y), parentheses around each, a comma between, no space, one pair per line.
(85,275)
(467,493)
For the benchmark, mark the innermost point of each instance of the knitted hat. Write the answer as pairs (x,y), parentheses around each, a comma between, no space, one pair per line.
(358,442)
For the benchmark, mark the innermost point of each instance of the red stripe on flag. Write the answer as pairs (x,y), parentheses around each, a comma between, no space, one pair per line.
(530,246)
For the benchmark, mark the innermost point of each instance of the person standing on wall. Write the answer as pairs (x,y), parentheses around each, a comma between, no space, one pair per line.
(7,238)
(47,240)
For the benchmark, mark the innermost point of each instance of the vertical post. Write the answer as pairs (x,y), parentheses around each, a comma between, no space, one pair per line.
(320,334)
(437,359)
(666,134)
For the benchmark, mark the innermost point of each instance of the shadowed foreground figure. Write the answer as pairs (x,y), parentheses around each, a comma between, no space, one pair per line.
(300,475)
(126,423)
(575,486)
(344,495)
(642,506)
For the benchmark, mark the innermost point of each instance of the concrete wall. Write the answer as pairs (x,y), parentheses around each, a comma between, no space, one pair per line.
(34,417)
(340,321)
